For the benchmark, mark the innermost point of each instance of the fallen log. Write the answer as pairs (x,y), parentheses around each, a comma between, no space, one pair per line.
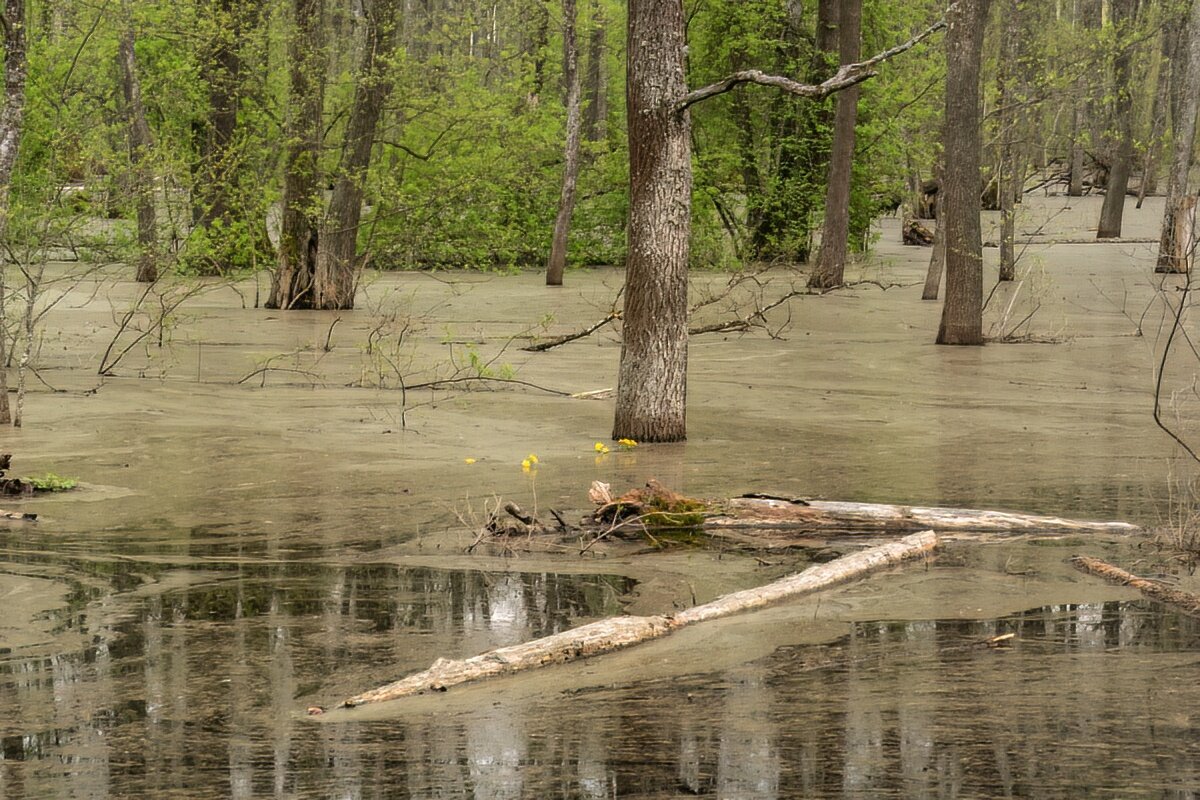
(18,515)
(1184,601)
(616,633)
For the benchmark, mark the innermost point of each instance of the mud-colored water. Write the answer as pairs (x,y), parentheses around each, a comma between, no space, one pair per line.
(241,550)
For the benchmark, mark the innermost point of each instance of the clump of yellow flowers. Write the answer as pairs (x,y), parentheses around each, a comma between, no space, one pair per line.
(626,444)
(601,448)
(530,462)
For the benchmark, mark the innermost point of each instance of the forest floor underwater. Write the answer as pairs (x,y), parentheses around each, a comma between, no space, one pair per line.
(273,513)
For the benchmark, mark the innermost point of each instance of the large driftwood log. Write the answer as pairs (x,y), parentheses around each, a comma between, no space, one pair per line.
(1185,602)
(617,633)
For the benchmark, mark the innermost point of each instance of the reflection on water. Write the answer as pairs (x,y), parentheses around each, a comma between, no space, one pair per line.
(196,695)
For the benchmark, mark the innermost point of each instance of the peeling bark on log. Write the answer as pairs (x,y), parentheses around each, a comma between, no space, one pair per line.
(1184,601)
(616,633)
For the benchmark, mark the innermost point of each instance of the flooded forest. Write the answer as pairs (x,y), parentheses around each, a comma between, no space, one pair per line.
(596,399)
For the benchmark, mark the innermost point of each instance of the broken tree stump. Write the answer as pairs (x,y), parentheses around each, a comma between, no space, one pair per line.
(616,633)
(1184,601)
(912,232)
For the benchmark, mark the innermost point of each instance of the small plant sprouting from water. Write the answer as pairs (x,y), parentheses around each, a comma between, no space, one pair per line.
(51,482)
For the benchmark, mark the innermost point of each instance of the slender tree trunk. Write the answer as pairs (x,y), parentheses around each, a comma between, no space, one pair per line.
(1113,209)
(140,144)
(962,311)
(1007,101)
(566,203)
(296,268)
(337,270)
(596,112)
(1158,114)
(937,256)
(652,383)
(831,260)
(1173,249)
(12,117)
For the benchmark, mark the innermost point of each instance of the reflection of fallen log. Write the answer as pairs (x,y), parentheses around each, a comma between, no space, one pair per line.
(1185,602)
(616,633)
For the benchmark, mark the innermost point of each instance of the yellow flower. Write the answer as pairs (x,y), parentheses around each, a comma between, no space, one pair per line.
(526,465)
(532,459)
(469,460)
(627,444)
(601,448)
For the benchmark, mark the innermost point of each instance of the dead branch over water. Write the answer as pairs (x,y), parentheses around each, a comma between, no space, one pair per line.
(617,633)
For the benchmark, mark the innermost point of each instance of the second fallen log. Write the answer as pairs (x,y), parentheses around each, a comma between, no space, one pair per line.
(616,633)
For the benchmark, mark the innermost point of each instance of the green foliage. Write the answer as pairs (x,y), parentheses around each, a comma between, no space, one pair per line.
(52,483)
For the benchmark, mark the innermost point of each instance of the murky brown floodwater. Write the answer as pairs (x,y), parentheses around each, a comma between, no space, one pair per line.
(241,550)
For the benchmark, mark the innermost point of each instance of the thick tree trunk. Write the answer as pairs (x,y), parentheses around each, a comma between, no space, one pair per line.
(1174,250)
(616,633)
(336,277)
(12,117)
(566,202)
(835,231)
(296,268)
(140,144)
(652,383)
(962,311)
(596,114)
(1113,210)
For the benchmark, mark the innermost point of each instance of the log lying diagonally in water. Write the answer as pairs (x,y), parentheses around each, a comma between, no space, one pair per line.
(1185,602)
(616,633)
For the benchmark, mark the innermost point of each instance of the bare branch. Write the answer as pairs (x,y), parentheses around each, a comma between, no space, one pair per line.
(847,75)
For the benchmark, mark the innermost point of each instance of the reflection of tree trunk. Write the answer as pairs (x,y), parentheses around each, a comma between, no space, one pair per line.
(337,259)
(596,112)
(652,383)
(140,142)
(831,260)
(12,117)
(1173,249)
(566,203)
(296,268)
(1113,209)
(962,311)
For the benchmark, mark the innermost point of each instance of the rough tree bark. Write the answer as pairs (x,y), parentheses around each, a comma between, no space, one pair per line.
(835,230)
(141,142)
(12,117)
(337,268)
(1113,210)
(962,311)
(1173,249)
(296,268)
(566,202)
(652,382)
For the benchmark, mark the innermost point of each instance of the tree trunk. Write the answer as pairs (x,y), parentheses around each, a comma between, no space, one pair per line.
(1173,250)
(1158,112)
(596,113)
(831,260)
(962,311)
(1118,175)
(296,268)
(336,276)
(140,144)
(1007,173)
(937,257)
(652,382)
(12,117)
(566,203)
